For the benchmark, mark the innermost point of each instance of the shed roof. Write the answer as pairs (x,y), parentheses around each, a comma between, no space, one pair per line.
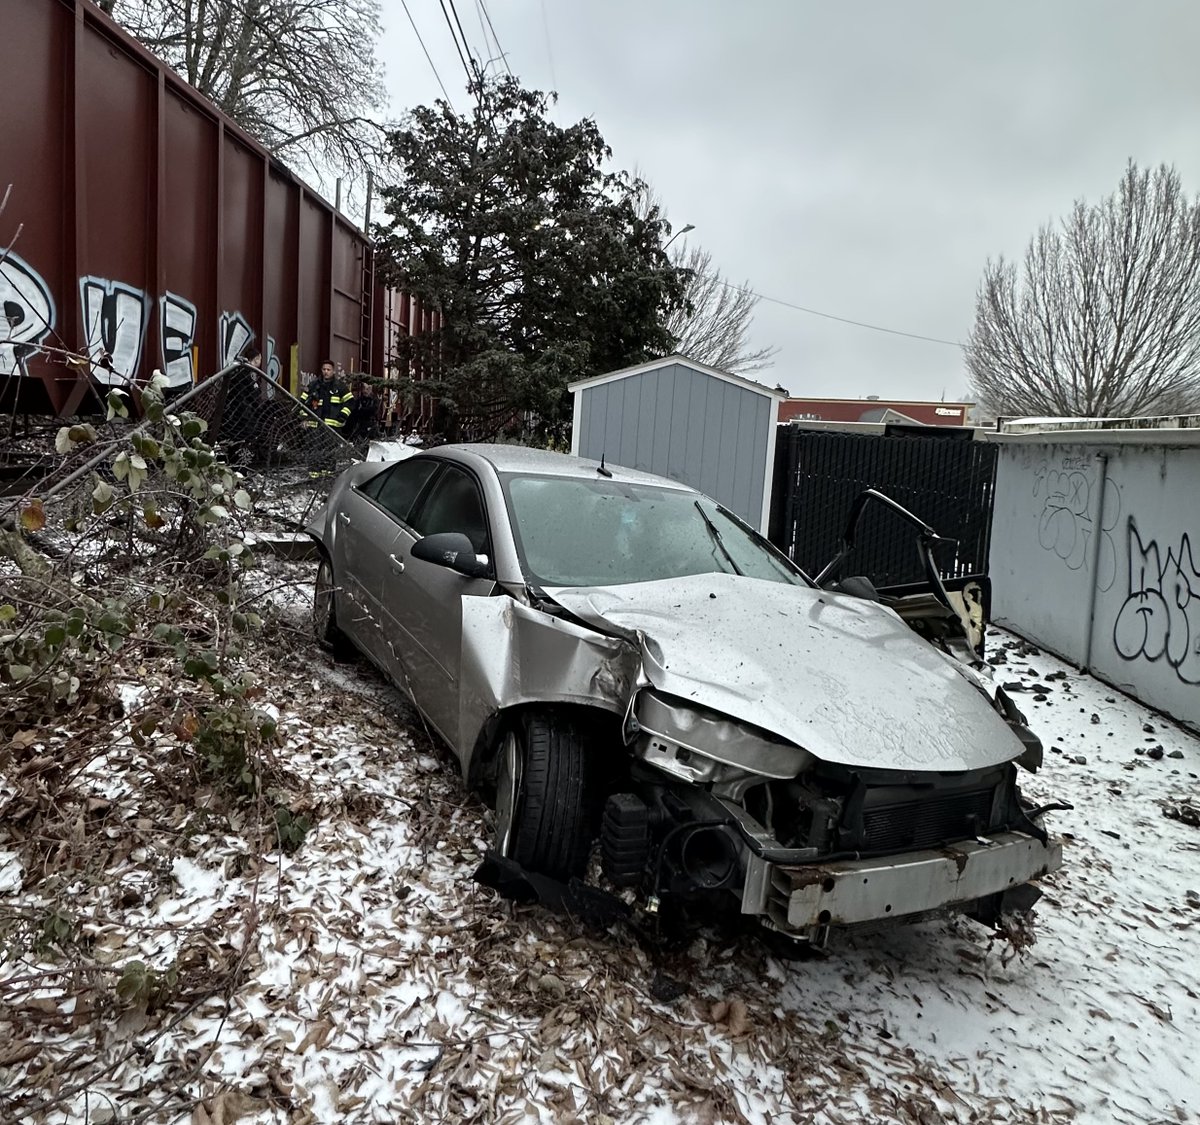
(670,360)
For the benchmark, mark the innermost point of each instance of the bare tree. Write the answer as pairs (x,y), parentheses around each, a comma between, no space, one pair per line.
(713,326)
(713,323)
(1103,319)
(301,76)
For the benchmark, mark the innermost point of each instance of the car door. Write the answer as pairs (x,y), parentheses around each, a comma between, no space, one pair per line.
(423,601)
(370,520)
(941,609)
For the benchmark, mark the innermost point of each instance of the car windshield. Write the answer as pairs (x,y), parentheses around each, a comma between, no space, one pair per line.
(572,531)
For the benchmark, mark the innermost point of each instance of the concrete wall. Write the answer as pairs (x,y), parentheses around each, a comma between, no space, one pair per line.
(687,425)
(1096,556)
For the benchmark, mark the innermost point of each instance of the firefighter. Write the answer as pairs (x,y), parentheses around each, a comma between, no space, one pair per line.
(364,411)
(328,399)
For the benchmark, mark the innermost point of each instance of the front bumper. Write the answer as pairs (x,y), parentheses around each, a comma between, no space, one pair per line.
(805,898)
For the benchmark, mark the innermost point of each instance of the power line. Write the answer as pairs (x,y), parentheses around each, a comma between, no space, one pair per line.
(461,57)
(473,71)
(458,23)
(549,52)
(840,319)
(487,47)
(423,48)
(482,4)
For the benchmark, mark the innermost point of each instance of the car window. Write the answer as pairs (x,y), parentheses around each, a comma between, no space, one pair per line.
(578,532)
(397,488)
(453,504)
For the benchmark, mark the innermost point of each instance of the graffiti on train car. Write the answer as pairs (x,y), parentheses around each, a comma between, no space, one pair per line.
(177,333)
(115,319)
(28,312)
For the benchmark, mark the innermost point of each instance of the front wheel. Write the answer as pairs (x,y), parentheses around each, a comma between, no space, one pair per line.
(543,820)
(324,615)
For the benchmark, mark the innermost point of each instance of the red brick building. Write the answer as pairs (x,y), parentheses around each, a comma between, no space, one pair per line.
(874,410)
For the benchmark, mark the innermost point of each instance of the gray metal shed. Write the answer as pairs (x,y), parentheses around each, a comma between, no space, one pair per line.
(687,421)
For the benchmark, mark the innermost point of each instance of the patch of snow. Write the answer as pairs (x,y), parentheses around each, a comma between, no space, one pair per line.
(11,872)
(131,696)
(196,881)
(391,451)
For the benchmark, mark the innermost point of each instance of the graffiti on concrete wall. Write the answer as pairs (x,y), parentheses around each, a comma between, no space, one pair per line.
(1067,523)
(26,312)
(1159,619)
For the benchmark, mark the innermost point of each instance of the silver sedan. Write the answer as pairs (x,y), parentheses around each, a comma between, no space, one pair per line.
(614,657)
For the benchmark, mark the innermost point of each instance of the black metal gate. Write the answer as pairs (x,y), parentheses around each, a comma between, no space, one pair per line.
(949,484)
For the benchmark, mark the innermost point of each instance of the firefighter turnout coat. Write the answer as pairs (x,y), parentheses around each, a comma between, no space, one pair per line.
(330,401)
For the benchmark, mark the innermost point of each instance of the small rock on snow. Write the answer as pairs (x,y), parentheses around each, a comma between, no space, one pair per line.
(1183,811)
(554,986)
(666,989)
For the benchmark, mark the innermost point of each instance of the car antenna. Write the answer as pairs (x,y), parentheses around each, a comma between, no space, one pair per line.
(602,470)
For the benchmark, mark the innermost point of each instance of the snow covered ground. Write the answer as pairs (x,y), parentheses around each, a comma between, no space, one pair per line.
(378,983)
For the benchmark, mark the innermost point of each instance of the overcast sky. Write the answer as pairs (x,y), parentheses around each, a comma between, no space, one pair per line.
(860,157)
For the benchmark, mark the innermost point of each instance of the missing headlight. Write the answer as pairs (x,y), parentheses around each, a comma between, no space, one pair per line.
(698,745)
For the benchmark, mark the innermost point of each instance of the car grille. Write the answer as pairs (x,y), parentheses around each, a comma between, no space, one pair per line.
(928,821)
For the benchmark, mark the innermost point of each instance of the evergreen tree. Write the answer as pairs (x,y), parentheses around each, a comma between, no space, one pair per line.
(536,256)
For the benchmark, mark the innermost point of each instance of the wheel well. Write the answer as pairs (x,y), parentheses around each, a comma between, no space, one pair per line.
(600,727)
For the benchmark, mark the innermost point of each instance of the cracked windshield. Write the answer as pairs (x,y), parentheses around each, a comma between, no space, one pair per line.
(574,532)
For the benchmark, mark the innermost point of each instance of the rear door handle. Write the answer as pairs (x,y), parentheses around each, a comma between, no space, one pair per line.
(397,565)
(343,518)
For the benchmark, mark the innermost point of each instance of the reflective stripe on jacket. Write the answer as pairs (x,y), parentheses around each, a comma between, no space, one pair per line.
(330,402)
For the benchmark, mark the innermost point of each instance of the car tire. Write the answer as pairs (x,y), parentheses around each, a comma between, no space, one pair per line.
(324,613)
(543,812)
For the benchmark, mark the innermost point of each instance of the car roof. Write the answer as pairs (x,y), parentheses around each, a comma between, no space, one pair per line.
(545,462)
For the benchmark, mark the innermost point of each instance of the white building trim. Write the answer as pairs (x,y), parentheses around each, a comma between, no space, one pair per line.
(765,520)
(576,421)
(669,361)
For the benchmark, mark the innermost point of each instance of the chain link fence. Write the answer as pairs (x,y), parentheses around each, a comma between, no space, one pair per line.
(256,423)
(154,475)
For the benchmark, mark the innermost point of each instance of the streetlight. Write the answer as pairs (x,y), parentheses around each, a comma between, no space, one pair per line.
(684,230)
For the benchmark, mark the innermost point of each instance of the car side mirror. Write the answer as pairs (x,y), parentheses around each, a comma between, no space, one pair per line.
(857,586)
(453,550)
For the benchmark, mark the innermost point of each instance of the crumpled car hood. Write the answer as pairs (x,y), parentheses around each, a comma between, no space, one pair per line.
(843,678)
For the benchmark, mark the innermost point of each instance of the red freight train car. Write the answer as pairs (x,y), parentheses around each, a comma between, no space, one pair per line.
(150,228)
